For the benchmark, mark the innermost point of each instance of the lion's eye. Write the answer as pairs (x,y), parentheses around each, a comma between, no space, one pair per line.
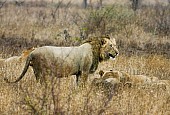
(111,45)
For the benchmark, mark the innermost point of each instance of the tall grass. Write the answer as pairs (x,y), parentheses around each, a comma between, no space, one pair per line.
(62,96)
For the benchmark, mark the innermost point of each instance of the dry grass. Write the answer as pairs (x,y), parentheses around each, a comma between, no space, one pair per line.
(141,52)
(65,97)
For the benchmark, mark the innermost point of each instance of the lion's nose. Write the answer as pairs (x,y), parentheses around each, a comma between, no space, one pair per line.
(117,52)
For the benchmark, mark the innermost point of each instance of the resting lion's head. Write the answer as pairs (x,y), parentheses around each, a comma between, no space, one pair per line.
(109,74)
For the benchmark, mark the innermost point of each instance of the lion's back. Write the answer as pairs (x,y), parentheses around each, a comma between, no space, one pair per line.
(57,52)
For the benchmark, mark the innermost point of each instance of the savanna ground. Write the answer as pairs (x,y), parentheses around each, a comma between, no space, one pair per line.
(143,40)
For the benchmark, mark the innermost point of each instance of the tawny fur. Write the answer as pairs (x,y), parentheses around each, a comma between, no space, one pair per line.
(125,78)
(25,53)
(64,61)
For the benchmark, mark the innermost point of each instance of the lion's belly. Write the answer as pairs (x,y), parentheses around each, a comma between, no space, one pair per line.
(66,68)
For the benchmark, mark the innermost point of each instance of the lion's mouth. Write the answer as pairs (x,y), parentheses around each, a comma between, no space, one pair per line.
(112,56)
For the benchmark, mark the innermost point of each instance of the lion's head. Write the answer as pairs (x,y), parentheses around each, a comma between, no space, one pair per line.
(103,48)
(108,49)
(122,77)
(109,74)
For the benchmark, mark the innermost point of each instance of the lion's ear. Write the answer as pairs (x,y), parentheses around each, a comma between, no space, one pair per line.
(101,72)
(106,36)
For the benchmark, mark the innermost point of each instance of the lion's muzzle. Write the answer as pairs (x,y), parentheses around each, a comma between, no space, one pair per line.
(113,56)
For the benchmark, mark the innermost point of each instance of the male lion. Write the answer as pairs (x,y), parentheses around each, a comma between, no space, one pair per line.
(65,61)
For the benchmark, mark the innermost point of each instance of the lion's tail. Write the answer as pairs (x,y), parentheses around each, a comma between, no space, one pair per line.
(29,58)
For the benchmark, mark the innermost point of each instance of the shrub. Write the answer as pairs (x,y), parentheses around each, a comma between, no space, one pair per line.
(157,21)
(108,20)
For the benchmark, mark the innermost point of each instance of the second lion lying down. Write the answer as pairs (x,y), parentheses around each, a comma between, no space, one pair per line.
(65,61)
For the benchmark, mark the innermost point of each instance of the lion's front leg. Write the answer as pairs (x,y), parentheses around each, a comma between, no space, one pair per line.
(84,77)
